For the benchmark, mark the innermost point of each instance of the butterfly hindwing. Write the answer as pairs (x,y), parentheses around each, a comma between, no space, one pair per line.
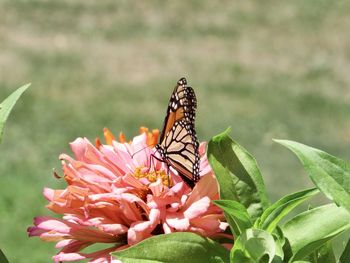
(182,151)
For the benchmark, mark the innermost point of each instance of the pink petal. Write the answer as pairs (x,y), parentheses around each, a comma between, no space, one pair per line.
(128,205)
(115,229)
(202,148)
(207,224)
(178,221)
(73,246)
(78,147)
(49,223)
(206,186)
(167,229)
(130,180)
(118,158)
(197,208)
(156,187)
(141,230)
(138,146)
(64,257)
(64,243)
(34,231)
(138,232)
(49,193)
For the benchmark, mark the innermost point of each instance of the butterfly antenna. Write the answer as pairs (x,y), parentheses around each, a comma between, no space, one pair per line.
(148,146)
(132,155)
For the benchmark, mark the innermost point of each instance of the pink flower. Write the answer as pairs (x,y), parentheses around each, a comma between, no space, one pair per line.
(118,195)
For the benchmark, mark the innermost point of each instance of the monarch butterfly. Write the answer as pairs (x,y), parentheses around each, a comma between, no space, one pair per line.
(178,145)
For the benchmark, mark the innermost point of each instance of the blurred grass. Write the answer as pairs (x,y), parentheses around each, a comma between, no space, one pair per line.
(270,69)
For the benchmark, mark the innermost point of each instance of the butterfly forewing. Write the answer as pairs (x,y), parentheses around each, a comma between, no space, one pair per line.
(182,105)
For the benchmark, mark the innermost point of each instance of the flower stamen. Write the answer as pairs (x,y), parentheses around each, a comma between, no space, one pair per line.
(151,176)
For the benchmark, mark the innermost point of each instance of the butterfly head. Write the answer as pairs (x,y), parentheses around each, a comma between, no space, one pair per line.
(182,82)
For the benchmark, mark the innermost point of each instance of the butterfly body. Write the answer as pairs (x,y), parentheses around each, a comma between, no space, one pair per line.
(178,145)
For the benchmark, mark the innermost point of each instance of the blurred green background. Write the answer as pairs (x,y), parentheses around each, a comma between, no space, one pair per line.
(268,69)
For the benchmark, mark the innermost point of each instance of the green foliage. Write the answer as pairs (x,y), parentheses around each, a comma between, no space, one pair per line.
(7,105)
(237,173)
(313,228)
(176,247)
(3,258)
(274,213)
(324,254)
(304,238)
(254,245)
(236,215)
(330,174)
(345,257)
(5,109)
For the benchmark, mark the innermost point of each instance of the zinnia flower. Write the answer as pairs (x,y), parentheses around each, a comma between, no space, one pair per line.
(118,194)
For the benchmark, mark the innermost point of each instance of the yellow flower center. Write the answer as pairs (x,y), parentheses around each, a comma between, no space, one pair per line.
(152,176)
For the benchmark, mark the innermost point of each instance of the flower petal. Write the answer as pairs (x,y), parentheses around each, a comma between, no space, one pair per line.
(178,221)
(197,208)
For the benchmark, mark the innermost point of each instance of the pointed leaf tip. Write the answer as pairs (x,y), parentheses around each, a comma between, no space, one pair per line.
(237,173)
(222,135)
(277,211)
(7,105)
(3,258)
(330,174)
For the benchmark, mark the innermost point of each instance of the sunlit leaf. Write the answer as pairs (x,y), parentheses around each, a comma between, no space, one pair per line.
(330,174)
(279,241)
(238,174)
(254,245)
(236,215)
(7,105)
(313,228)
(177,247)
(277,211)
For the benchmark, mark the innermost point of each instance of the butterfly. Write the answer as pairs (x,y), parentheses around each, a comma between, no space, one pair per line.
(178,144)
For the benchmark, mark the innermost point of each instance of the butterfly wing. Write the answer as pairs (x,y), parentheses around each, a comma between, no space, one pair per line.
(182,105)
(178,138)
(181,151)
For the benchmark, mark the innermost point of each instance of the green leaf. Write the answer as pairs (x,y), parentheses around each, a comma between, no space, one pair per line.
(279,241)
(177,247)
(330,174)
(345,256)
(277,211)
(238,174)
(236,215)
(324,254)
(7,105)
(3,258)
(254,245)
(313,228)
